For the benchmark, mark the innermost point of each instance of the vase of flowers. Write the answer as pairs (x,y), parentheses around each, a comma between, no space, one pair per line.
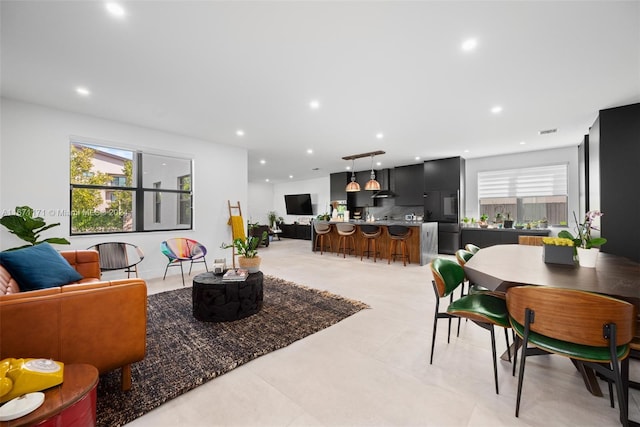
(587,247)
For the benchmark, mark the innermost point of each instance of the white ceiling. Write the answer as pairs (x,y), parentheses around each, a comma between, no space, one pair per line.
(205,69)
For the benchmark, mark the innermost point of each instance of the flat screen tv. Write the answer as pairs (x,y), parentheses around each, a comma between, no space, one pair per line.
(298,204)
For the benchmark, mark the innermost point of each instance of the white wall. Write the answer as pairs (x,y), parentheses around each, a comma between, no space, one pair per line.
(34,171)
(319,188)
(260,203)
(567,155)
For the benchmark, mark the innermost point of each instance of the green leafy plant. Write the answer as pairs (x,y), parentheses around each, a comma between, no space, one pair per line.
(272,216)
(247,247)
(484,217)
(583,239)
(28,228)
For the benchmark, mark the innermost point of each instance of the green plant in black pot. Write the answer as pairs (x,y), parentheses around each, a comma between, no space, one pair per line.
(28,228)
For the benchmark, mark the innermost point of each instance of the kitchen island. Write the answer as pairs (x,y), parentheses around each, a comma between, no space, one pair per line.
(422,245)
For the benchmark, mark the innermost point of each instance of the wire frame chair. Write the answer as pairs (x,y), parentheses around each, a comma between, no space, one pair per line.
(179,250)
(119,256)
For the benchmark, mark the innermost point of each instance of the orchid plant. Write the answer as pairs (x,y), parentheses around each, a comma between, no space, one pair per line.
(583,239)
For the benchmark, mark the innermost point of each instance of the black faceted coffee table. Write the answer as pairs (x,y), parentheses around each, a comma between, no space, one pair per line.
(218,301)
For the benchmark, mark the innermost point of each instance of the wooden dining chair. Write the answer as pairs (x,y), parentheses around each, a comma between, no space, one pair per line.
(591,329)
(483,309)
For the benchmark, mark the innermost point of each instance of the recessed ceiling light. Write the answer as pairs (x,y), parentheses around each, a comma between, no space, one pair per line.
(83,91)
(469,44)
(263,161)
(309,151)
(466,151)
(240,132)
(496,110)
(348,168)
(266,180)
(522,143)
(417,157)
(378,163)
(379,135)
(115,9)
(290,176)
(314,104)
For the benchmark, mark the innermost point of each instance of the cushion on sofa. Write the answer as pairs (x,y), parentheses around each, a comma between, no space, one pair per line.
(38,267)
(8,284)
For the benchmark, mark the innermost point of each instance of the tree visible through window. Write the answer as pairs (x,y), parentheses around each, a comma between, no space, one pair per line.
(115,190)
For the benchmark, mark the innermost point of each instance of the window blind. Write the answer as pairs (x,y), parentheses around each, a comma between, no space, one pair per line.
(550,180)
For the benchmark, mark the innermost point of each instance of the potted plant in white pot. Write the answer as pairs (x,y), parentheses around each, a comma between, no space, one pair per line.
(247,251)
(586,247)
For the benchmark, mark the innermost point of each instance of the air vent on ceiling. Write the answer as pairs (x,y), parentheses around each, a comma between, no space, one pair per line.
(547,131)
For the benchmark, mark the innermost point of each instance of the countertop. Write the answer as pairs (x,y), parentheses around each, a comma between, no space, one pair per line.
(510,230)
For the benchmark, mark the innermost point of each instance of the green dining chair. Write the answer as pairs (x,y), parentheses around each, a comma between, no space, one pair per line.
(591,329)
(470,247)
(485,310)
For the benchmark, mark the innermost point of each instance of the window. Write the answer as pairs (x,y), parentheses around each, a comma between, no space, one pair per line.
(527,195)
(157,205)
(115,190)
(184,199)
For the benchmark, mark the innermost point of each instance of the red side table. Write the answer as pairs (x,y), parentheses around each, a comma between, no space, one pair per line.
(70,404)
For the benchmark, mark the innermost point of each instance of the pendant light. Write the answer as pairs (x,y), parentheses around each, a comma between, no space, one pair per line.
(353,186)
(372,184)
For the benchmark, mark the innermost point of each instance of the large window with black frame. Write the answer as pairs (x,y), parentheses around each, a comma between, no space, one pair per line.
(115,190)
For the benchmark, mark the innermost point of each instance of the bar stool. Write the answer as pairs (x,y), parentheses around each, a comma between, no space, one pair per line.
(322,229)
(399,234)
(370,234)
(345,230)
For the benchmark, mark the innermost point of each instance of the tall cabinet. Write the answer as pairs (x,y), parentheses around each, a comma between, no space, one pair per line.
(614,150)
(444,199)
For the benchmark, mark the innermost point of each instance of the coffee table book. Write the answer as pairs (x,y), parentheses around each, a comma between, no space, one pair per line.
(235,275)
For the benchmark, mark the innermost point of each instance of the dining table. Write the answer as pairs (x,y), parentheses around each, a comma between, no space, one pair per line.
(500,267)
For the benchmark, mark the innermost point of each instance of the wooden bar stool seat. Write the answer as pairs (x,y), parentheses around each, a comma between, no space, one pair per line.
(370,234)
(399,234)
(346,230)
(322,229)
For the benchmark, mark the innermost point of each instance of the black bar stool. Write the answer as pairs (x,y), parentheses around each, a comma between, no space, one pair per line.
(370,234)
(399,234)
(346,230)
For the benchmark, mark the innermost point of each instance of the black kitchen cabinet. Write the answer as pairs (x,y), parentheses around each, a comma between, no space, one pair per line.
(409,185)
(444,173)
(613,157)
(485,237)
(338,184)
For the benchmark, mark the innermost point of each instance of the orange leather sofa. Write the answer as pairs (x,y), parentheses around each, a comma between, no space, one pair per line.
(102,323)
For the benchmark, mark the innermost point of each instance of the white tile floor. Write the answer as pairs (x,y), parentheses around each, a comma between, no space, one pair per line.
(373,368)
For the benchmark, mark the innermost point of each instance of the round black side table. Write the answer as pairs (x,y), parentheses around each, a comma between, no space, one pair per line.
(218,301)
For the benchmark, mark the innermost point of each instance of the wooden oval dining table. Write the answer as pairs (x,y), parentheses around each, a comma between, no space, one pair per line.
(500,267)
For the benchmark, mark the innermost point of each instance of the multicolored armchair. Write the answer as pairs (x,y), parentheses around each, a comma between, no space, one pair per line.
(179,250)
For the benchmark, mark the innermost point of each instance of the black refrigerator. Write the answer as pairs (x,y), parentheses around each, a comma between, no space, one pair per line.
(442,206)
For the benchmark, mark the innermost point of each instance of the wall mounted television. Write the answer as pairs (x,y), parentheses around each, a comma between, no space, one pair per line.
(298,204)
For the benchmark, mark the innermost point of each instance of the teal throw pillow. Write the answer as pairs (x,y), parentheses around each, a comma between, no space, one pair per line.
(38,267)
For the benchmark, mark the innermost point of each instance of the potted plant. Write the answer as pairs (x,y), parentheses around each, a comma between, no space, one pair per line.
(483,221)
(272,216)
(508,222)
(465,221)
(543,223)
(28,228)
(247,251)
(587,247)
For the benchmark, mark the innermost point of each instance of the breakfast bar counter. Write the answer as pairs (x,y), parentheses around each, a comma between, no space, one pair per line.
(422,244)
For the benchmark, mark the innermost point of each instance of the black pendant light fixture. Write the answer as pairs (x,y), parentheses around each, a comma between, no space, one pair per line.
(353,186)
(372,184)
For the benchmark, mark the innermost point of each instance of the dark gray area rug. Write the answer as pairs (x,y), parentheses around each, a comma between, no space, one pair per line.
(183,353)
